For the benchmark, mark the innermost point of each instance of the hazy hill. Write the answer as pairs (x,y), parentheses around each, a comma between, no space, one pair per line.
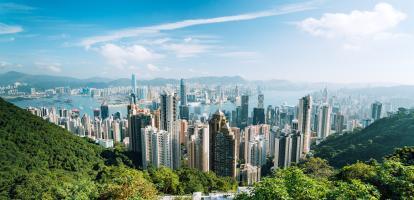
(375,141)
(47,81)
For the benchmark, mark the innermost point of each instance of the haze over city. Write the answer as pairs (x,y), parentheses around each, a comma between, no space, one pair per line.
(308,41)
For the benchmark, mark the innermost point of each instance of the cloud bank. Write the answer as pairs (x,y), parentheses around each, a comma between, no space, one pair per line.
(356,24)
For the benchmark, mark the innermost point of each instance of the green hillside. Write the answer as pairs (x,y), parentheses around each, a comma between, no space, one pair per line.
(39,160)
(375,141)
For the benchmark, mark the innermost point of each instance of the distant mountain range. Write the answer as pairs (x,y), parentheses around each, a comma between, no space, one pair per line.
(48,81)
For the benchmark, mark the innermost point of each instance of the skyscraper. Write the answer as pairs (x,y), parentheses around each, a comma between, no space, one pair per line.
(104,110)
(283,150)
(324,127)
(134,84)
(304,121)
(198,147)
(157,148)
(222,146)
(184,112)
(183,93)
(169,123)
(244,111)
(168,111)
(376,109)
(225,153)
(260,101)
(340,122)
(136,123)
(258,116)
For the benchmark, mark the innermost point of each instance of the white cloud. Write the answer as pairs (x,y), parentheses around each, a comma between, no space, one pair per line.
(9,29)
(9,7)
(185,50)
(239,54)
(355,25)
(133,32)
(153,68)
(5,64)
(121,56)
(53,67)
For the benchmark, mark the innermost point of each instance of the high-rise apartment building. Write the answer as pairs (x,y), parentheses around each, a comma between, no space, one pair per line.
(133,84)
(183,93)
(304,121)
(324,127)
(104,111)
(340,123)
(136,123)
(260,101)
(376,109)
(244,117)
(222,146)
(198,147)
(156,148)
(258,116)
(168,111)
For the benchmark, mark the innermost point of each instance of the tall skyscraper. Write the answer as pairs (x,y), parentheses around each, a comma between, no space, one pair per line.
(168,111)
(325,95)
(96,113)
(270,115)
(134,84)
(184,112)
(244,111)
(104,110)
(156,145)
(376,109)
(222,146)
(283,150)
(169,123)
(324,127)
(198,147)
(297,142)
(260,101)
(135,124)
(304,121)
(183,93)
(340,123)
(258,116)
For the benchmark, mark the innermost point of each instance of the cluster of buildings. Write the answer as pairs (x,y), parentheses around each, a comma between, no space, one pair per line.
(237,143)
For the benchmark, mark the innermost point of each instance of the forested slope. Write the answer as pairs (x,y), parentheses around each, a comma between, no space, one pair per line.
(375,141)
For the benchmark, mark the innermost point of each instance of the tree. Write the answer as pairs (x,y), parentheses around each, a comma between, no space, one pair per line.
(268,188)
(290,183)
(359,170)
(395,180)
(355,189)
(316,168)
(404,155)
(125,183)
(165,180)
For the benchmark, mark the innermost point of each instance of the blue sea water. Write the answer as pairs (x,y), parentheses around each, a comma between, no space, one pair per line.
(86,104)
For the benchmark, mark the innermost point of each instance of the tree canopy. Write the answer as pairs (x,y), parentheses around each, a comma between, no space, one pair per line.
(374,142)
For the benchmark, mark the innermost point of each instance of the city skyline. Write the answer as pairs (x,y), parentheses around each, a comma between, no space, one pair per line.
(327,41)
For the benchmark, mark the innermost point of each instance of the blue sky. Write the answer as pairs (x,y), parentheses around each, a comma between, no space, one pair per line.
(317,41)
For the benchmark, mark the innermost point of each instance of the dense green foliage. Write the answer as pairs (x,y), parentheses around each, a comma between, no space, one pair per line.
(376,141)
(315,179)
(39,160)
(187,181)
